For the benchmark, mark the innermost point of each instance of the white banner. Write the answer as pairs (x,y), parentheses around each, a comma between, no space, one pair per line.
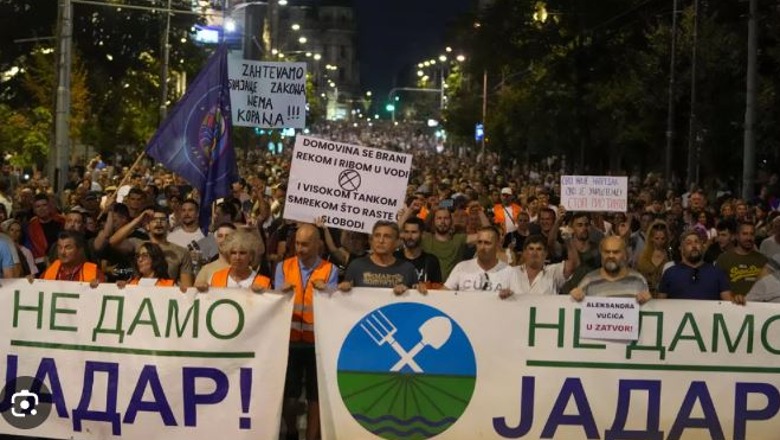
(141,363)
(464,365)
(267,94)
(350,185)
(594,193)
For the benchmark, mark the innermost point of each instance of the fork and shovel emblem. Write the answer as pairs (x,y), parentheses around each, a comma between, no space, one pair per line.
(435,332)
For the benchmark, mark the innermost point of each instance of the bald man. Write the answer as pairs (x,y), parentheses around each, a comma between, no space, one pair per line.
(302,274)
(614,278)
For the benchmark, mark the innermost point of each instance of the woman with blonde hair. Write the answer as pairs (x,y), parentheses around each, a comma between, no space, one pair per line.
(655,255)
(244,249)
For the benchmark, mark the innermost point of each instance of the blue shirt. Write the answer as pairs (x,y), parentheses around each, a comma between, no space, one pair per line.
(682,281)
(333,279)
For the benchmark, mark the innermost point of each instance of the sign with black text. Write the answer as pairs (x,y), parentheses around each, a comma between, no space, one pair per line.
(267,94)
(350,186)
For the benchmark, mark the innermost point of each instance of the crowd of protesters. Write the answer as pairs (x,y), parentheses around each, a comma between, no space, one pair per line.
(470,222)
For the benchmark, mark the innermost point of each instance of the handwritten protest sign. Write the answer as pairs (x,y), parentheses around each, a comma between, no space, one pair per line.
(267,94)
(350,186)
(594,193)
(610,318)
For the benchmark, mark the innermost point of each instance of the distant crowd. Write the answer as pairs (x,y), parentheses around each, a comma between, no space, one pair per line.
(469,222)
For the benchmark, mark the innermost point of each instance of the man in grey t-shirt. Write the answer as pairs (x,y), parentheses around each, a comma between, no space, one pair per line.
(614,278)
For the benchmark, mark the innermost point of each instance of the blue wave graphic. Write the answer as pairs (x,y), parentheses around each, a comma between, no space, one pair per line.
(403,434)
(391,418)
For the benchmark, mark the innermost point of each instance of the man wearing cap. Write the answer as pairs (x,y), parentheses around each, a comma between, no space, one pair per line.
(505,213)
(692,278)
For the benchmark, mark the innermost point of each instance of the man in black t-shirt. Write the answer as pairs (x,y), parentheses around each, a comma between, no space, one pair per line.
(381,268)
(426,265)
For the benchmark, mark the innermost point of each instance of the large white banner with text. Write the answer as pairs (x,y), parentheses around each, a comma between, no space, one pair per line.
(142,362)
(464,365)
(350,186)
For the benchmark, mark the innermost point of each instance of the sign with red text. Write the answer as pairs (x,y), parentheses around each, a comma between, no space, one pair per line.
(610,318)
(594,193)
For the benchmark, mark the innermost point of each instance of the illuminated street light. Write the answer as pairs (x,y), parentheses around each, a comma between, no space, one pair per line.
(296,27)
(230,25)
(368,93)
(302,40)
(282,2)
(442,58)
(420,73)
(448,49)
(460,58)
(317,56)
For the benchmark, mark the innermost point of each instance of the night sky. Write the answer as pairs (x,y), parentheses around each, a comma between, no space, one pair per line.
(396,33)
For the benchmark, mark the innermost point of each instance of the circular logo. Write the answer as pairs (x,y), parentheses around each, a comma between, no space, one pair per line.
(25,402)
(349,180)
(406,370)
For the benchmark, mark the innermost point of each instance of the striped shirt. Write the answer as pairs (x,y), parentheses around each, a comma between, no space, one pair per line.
(628,286)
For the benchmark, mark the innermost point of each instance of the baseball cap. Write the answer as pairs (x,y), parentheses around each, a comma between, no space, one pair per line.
(506,190)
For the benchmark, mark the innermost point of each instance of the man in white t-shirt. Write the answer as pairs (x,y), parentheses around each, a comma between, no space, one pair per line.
(188,230)
(485,272)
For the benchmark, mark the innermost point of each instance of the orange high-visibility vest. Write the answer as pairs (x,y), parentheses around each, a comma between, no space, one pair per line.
(302,325)
(162,282)
(220,279)
(88,272)
(499,213)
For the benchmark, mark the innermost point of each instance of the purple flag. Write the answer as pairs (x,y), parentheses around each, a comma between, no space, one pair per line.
(194,140)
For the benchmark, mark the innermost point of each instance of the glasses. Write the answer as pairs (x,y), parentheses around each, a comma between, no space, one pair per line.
(695,275)
(142,255)
(486,284)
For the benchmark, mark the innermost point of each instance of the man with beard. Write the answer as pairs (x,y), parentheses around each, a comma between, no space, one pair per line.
(485,272)
(614,278)
(179,261)
(692,278)
(188,231)
(744,263)
(445,244)
(587,249)
(426,265)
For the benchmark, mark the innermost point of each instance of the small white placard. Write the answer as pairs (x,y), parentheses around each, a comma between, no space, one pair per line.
(594,193)
(610,318)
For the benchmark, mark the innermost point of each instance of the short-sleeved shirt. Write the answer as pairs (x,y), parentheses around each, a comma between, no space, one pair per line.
(682,281)
(426,266)
(770,247)
(6,257)
(449,253)
(628,287)
(547,282)
(742,270)
(468,275)
(362,272)
(767,289)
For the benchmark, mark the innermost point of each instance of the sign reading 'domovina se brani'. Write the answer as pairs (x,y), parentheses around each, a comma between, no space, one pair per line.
(350,186)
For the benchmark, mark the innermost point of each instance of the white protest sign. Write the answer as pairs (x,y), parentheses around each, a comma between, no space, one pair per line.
(610,318)
(351,186)
(267,94)
(594,193)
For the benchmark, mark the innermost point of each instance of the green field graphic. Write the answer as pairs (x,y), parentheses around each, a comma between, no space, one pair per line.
(403,405)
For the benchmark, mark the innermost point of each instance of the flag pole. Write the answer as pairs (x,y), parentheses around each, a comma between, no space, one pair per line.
(129,172)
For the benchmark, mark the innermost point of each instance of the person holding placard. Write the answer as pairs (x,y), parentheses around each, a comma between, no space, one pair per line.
(614,278)
(381,268)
